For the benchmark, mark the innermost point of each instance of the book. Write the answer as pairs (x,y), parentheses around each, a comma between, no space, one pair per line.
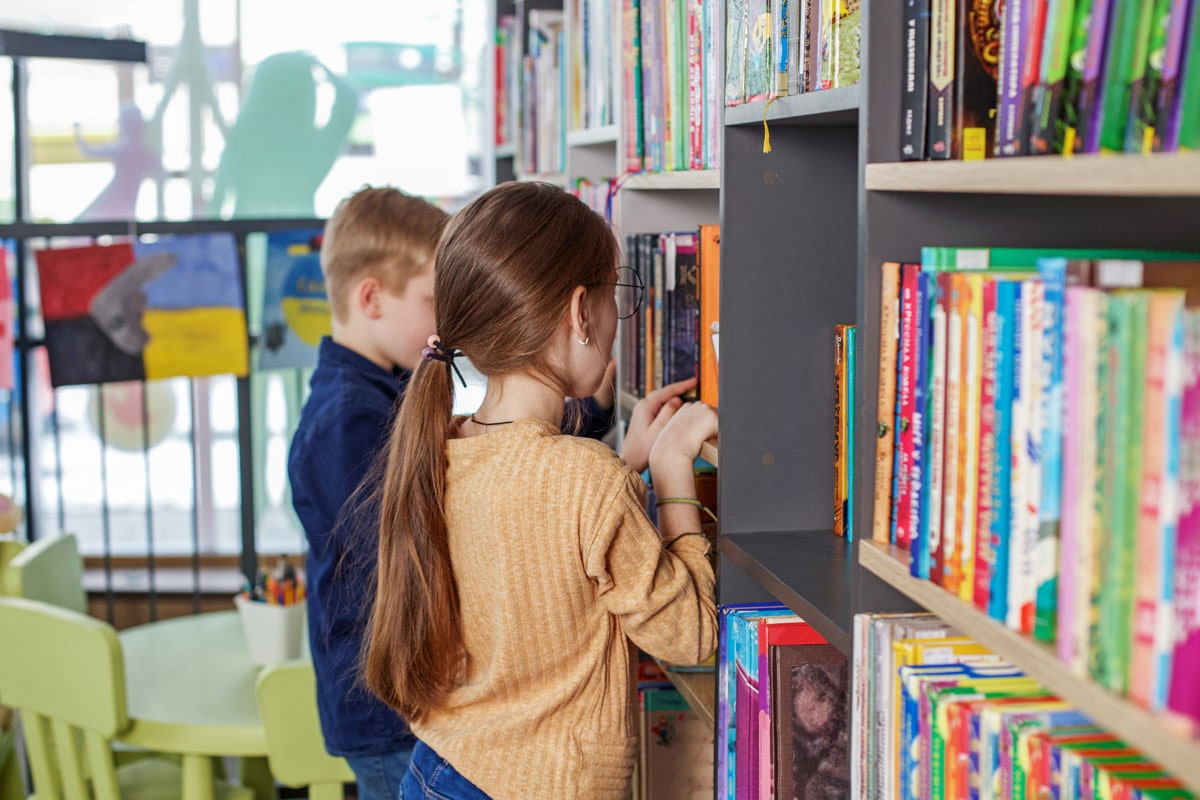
(971,412)
(851,383)
(841,442)
(976,71)
(1184,695)
(910,345)
(1085,136)
(1014,39)
(939,134)
(777,635)
(1046,557)
(710,310)
(1186,113)
(812,728)
(885,438)
(1048,97)
(1166,103)
(915,88)
(1128,44)
(1145,80)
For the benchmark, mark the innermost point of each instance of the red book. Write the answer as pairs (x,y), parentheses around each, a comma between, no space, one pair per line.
(910,340)
(987,451)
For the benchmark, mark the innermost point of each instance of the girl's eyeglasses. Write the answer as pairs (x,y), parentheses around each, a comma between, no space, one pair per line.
(629,290)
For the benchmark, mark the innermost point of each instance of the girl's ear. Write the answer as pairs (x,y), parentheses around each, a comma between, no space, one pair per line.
(367,296)
(579,319)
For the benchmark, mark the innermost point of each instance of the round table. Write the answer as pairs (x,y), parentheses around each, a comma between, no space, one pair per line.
(190,690)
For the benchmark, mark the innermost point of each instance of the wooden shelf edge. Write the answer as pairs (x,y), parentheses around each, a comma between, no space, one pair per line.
(506,151)
(1157,175)
(709,452)
(586,137)
(682,179)
(1151,733)
(827,106)
(699,689)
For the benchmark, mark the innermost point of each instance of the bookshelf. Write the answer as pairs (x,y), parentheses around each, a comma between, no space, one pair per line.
(1148,202)
(1144,730)
(699,689)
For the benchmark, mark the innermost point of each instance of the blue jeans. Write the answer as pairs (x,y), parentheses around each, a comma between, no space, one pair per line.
(430,777)
(378,777)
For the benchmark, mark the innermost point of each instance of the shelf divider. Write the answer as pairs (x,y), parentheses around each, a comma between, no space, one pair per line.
(699,689)
(1158,736)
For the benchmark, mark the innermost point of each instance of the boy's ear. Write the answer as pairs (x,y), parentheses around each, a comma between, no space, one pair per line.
(367,295)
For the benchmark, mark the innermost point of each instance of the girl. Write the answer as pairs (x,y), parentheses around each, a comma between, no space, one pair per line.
(518,571)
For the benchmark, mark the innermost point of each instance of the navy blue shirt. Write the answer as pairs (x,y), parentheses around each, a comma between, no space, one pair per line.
(343,428)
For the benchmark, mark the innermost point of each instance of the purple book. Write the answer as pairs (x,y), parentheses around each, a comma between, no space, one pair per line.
(1166,135)
(1087,139)
(1184,695)
(1014,36)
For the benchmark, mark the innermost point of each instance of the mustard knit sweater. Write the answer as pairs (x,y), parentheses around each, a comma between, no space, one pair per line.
(560,576)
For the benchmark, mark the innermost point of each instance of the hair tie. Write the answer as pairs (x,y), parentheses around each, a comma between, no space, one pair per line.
(436,351)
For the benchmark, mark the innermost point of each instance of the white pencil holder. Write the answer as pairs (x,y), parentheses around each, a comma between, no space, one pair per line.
(273,633)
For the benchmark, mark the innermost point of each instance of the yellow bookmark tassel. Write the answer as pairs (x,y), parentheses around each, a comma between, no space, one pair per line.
(766,129)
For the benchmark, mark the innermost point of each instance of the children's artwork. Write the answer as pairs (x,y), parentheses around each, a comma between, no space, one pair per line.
(296,311)
(168,308)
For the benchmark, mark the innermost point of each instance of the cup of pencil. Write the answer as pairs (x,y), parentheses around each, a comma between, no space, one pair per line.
(272,614)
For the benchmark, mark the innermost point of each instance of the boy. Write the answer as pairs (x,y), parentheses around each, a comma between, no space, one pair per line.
(377,257)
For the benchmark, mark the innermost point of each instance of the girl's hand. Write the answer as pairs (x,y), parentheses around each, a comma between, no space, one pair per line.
(675,451)
(649,417)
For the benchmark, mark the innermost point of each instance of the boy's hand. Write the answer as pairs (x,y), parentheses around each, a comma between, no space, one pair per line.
(605,396)
(674,452)
(649,417)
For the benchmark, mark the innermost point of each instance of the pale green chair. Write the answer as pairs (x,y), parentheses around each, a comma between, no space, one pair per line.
(287,704)
(49,570)
(66,678)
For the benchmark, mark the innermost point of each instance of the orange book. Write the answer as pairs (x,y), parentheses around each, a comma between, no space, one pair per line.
(889,332)
(710,310)
(839,416)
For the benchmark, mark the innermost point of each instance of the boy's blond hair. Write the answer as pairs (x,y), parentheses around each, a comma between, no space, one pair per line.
(378,232)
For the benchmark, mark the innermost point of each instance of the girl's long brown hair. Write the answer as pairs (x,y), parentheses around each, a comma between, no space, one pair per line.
(504,273)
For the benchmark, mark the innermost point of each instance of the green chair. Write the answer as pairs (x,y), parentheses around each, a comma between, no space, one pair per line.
(49,570)
(287,704)
(67,681)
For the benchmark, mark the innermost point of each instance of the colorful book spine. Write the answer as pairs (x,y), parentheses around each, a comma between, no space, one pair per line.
(1054,276)
(947,420)
(942,31)
(919,476)
(1048,100)
(1031,66)
(1166,129)
(1014,35)
(1064,105)
(1087,123)
(1128,42)
(910,343)
(940,429)
(1147,77)
(956,377)
(885,438)
(976,70)
(1184,696)
(931,399)
(1008,325)
(985,555)
(1187,107)
(914,97)
(851,380)
(1094,394)
(736,33)
(1154,580)
(971,413)
(1027,470)
(692,56)
(839,427)
(1073,430)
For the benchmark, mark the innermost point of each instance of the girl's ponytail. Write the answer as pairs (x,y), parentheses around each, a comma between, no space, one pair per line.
(416,643)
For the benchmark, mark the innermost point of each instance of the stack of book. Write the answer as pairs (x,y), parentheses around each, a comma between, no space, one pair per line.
(1039,451)
(775,48)
(939,716)
(1029,77)
(782,707)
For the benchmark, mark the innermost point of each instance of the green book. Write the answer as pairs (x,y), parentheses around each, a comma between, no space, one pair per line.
(1108,310)
(1189,92)
(1143,96)
(1024,259)
(1128,42)
(1047,98)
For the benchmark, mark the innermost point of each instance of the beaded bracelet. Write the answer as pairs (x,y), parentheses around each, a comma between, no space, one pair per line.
(687,501)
